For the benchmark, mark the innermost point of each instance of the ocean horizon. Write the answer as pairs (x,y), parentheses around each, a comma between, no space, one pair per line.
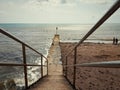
(39,36)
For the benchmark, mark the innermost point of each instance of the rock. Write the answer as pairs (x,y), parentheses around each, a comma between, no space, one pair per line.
(10,84)
(2,86)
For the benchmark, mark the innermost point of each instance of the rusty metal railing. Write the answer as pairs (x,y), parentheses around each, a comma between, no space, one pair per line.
(93,64)
(104,64)
(24,45)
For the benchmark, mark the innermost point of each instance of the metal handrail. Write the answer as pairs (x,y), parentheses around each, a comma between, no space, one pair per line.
(11,64)
(19,41)
(92,64)
(104,64)
(24,45)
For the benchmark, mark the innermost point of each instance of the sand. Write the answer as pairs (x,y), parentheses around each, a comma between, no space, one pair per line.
(93,78)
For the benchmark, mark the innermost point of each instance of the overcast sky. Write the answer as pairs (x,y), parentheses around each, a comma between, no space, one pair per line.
(55,11)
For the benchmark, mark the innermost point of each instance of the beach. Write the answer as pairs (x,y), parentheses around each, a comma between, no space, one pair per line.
(93,78)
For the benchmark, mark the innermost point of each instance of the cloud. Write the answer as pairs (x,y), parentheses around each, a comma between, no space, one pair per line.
(56,2)
(2,13)
(52,10)
(45,3)
(97,1)
(76,1)
(48,1)
(63,1)
(42,0)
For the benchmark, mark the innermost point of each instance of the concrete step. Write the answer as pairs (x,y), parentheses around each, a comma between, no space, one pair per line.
(52,82)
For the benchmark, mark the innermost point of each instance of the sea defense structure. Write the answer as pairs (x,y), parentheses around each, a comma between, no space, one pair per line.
(56,39)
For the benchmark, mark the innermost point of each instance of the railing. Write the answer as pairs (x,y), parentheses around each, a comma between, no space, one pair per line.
(24,45)
(92,64)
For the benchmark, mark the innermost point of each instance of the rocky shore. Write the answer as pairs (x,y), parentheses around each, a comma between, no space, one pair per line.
(93,78)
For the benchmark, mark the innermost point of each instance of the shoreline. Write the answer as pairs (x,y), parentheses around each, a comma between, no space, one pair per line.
(105,50)
(98,42)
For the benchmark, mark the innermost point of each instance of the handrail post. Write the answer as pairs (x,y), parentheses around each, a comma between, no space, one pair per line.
(66,67)
(63,70)
(41,66)
(25,67)
(75,58)
(47,66)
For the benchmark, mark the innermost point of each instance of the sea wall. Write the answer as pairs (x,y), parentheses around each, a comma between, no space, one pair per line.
(56,39)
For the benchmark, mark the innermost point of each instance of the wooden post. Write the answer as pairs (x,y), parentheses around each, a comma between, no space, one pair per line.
(56,30)
(66,68)
(41,66)
(75,58)
(47,66)
(63,66)
(25,67)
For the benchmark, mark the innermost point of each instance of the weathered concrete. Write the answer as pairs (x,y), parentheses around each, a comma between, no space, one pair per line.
(55,80)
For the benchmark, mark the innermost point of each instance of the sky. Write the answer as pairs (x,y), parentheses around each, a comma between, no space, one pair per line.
(56,11)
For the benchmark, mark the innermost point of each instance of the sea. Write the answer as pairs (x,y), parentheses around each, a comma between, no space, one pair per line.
(39,37)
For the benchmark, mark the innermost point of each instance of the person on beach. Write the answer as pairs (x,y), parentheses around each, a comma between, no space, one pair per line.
(114,40)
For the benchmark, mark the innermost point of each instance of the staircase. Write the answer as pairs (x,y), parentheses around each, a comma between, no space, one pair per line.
(55,79)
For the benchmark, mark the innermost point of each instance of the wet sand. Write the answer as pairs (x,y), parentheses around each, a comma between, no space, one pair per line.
(93,78)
